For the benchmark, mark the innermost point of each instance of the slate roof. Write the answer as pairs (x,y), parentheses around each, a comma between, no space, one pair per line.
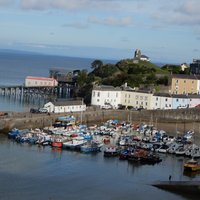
(68,103)
(185,76)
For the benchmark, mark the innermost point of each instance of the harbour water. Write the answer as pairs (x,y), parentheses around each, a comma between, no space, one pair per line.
(30,172)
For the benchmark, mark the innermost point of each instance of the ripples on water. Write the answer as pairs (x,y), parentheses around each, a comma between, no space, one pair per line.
(32,172)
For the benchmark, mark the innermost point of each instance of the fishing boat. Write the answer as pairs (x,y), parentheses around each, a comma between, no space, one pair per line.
(192,165)
(57,143)
(111,151)
(13,133)
(91,146)
(75,143)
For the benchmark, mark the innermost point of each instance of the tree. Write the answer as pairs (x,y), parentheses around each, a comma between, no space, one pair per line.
(96,64)
(82,77)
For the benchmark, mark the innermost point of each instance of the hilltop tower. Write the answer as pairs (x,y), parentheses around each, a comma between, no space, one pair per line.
(137,54)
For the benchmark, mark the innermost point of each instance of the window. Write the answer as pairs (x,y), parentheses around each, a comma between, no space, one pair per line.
(125,95)
(97,100)
(156,98)
(93,94)
(166,99)
(184,81)
(136,102)
(136,97)
(116,94)
(129,96)
(108,94)
(146,103)
(141,97)
(176,100)
(98,94)
(176,81)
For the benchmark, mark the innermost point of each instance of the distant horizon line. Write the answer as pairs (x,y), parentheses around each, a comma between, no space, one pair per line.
(28,52)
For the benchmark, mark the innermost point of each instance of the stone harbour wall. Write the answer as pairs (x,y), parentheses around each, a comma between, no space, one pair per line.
(168,120)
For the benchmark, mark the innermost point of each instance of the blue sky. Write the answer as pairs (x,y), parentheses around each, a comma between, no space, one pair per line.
(166,31)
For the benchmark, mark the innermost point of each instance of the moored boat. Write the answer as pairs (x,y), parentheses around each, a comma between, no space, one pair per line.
(111,151)
(57,143)
(192,165)
(74,144)
(91,147)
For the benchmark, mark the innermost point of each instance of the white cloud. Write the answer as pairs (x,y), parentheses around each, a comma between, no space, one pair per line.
(111,21)
(185,12)
(67,4)
(6,2)
(77,25)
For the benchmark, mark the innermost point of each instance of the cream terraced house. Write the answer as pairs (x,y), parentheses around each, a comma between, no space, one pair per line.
(106,95)
(136,99)
(185,84)
(124,95)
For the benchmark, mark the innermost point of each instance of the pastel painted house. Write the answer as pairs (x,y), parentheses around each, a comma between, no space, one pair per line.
(185,84)
(180,101)
(65,106)
(136,99)
(194,100)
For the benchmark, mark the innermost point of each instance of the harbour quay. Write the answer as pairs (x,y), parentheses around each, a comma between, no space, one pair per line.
(172,121)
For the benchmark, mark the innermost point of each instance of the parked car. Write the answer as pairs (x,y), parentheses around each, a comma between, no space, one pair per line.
(43,110)
(34,110)
(106,107)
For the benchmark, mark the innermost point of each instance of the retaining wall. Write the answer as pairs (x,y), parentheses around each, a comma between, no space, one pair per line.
(169,120)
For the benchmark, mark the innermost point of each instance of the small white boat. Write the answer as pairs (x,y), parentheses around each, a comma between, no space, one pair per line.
(180,151)
(173,148)
(74,144)
(111,151)
(163,149)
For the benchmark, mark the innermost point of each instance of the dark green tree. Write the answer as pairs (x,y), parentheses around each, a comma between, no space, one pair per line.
(96,64)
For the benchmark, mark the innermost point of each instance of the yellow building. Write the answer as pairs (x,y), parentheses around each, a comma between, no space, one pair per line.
(185,84)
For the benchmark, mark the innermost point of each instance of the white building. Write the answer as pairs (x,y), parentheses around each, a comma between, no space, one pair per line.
(65,106)
(32,81)
(161,101)
(144,58)
(106,95)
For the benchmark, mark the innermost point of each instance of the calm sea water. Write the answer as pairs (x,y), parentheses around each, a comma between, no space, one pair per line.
(32,172)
